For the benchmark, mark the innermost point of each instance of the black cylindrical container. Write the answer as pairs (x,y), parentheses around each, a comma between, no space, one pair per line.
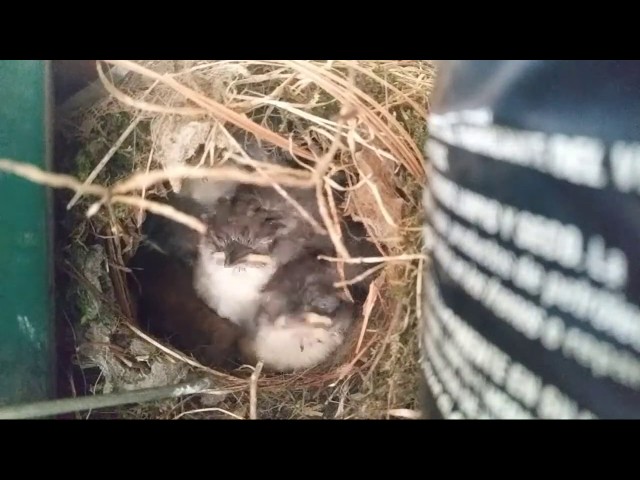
(531,298)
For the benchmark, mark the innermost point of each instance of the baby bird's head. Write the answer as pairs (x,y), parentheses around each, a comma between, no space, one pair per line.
(240,229)
(302,317)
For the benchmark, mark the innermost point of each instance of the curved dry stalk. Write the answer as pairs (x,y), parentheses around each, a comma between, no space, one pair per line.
(103,162)
(61,406)
(54,180)
(171,352)
(419,287)
(114,148)
(253,391)
(144,190)
(348,94)
(299,208)
(406,413)
(377,197)
(58,180)
(162,209)
(338,232)
(360,277)
(353,188)
(348,368)
(141,180)
(205,410)
(267,77)
(421,110)
(270,167)
(367,309)
(216,109)
(295,108)
(334,233)
(413,161)
(146,106)
(357,260)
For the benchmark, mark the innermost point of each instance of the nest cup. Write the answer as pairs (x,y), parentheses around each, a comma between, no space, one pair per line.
(163,121)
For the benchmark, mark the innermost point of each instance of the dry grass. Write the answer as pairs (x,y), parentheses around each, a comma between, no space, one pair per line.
(363,118)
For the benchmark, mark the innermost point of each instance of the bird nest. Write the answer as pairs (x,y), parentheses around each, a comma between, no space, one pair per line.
(164,121)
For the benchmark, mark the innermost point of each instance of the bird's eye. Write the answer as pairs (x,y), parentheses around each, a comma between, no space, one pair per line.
(219,239)
(326,304)
(274,225)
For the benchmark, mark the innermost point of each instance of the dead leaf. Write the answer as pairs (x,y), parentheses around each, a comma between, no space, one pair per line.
(376,203)
(176,141)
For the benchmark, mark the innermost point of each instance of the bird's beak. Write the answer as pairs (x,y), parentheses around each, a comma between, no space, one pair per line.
(236,254)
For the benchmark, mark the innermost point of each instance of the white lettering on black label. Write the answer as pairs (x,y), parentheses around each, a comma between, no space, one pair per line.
(525,267)
(478,379)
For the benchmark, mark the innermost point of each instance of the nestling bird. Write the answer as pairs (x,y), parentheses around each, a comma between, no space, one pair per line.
(208,192)
(199,198)
(256,221)
(252,279)
(169,307)
(172,238)
(221,272)
(225,277)
(302,318)
(248,222)
(252,223)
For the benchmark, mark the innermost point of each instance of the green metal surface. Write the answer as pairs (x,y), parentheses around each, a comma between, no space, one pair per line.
(27,368)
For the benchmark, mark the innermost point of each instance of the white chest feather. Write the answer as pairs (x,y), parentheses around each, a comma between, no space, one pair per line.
(233,292)
(205,191)
(288,349)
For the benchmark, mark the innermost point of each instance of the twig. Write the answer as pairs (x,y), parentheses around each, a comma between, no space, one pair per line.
(385,340)
(406,413)
(218,110)
(300,209)
(140,212)
(114,148)
(145,106)
(316,226)
(343,91)
(88,95)
(212,409)
(331,228)
(357,260)
(377,197)
(360,277)
(58,180)
(419,290)
(96,171)
(336,221)
(170,352)
(348,189)
(253,391)
(74,394)
(55,180)
(162,209)
(272,167)
(346,369)
(369,303)
(52,408)
(420,109)
(318,174)
(141,180)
